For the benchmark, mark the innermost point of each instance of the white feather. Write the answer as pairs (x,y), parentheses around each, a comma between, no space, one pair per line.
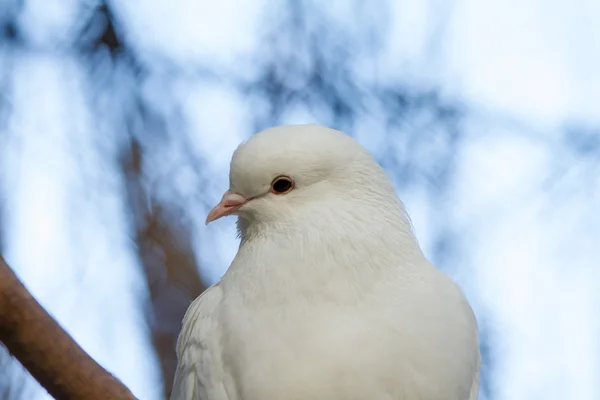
(329,295)
(199,373)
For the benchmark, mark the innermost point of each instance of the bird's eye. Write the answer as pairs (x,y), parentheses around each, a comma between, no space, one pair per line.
(282,184)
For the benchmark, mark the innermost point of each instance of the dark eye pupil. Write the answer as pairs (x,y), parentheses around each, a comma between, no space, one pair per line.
(282,185)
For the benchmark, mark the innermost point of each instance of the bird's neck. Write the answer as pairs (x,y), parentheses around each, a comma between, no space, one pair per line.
(327,252)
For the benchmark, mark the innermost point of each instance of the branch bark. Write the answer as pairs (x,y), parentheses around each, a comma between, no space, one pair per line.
(34,338)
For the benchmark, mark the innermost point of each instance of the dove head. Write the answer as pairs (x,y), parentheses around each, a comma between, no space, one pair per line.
(305,173)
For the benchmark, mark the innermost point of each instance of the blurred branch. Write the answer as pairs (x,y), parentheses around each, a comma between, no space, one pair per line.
(161,232)
(46,350)
(166,253)
(9,31)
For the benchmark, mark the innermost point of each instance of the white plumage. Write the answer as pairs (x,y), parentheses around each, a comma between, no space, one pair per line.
(329,296)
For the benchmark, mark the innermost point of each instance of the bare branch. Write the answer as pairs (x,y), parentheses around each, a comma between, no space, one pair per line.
(46,350)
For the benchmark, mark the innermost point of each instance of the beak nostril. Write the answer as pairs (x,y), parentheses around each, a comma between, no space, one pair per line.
(233,199)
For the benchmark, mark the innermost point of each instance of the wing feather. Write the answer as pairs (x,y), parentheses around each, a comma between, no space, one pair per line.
(199,374)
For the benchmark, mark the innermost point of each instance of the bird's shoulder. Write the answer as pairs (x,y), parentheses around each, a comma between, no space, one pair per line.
(199,372)
(200,318)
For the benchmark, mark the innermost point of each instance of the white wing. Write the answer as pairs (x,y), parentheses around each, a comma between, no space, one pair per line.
(199,374)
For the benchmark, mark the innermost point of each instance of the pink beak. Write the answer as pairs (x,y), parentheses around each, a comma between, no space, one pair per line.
(228,204)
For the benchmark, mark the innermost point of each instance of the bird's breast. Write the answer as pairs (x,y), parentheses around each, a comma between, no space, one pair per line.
(333,352)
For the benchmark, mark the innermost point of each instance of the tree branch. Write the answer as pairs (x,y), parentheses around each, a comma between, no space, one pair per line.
(47,351)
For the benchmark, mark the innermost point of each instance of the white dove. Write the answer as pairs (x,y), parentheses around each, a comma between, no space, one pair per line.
(329,296)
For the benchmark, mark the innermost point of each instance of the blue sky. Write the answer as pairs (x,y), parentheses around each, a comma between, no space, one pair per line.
(522,199)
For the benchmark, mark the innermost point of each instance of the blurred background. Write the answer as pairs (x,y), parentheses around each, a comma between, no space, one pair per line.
(118,119)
